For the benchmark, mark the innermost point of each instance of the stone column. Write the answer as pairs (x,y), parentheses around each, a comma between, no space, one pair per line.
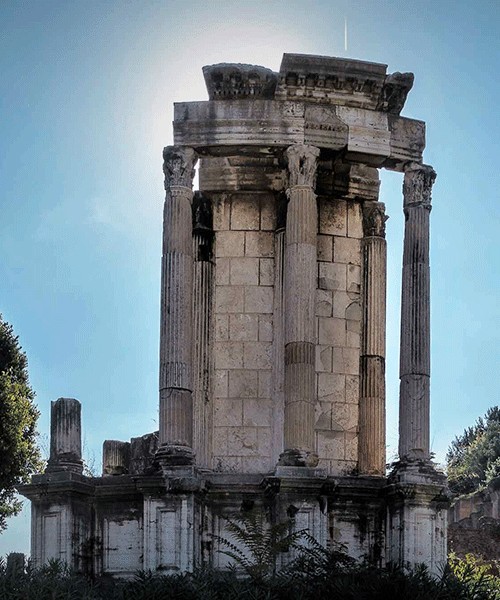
(300,289)
(176,344)
(65,436)
(202,317)
(414,370)
(115,457)
(372,362)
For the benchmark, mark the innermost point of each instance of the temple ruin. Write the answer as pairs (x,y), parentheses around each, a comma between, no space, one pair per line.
(272,337)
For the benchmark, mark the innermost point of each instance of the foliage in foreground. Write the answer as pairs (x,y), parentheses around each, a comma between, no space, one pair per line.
(333,577)
(473,458)
(19,454)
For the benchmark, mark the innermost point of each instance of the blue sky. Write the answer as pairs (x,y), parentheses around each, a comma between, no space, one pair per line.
(86,99)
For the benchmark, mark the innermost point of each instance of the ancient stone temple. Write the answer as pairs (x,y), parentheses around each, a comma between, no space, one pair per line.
(272,336)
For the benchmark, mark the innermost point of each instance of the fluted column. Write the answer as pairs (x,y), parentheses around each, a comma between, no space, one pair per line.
(65,436)
(300,287)
(115,457)
(176,328)
(414,370)
(202,318)
(372,364)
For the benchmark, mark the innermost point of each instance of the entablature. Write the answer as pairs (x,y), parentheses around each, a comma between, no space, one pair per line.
(260,127)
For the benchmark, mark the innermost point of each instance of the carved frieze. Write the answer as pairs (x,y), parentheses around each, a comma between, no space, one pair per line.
(417,185)
(227,81)
(178,166)
(302,161)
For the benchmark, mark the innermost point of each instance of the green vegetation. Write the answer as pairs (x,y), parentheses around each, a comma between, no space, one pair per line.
(339,580)
(474,457)
(19,454)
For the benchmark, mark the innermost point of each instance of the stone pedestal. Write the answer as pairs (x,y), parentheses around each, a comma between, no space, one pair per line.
(300,284)
(176,327)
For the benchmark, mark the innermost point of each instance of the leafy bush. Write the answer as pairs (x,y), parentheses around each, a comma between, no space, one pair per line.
(335,577)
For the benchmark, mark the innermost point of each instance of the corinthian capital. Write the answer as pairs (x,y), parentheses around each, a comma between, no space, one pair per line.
(178,166)
(417,185)
(374,219)
(302,164)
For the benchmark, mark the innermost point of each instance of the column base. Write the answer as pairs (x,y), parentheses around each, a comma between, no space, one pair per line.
(417,470)
(174,456)
(54,466)
(298,458)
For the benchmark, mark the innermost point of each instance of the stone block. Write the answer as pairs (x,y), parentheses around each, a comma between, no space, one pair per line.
(221,210)
(332,276)
(257,355)
(244,212)
(354,220)
(228,412)
(331,445)
(227,464)
(266,271)
(264,384)
(353,326)
(243,327)
(258,299)
(219,441)
(265,328)
(267,213)
(230,243)
(228,355)
(221,383)
(354,278)
(323,359)
(341,300)
(323,416)
(324,303)
(229,299)
(243,383)
(325,248)
(333,217)
(264,440)
(353,339)
(221,327)
(352,389)
(346,250)
(353,312)
(242,441)
(259,243)
(257,412)
(344,416)
(331,387)
(346,361)
(331,331)
(256,464)
(222,271)
(351,447)
(244,271)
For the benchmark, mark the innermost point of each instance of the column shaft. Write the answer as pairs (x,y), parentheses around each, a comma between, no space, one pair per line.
(202,317)
(372,363)
(300,286)
(414,372)
(176,329)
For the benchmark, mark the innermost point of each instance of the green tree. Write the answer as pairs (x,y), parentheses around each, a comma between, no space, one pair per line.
(473,458)
(19,453)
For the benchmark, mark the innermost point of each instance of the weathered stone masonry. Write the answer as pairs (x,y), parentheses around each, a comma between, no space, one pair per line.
(272,336)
